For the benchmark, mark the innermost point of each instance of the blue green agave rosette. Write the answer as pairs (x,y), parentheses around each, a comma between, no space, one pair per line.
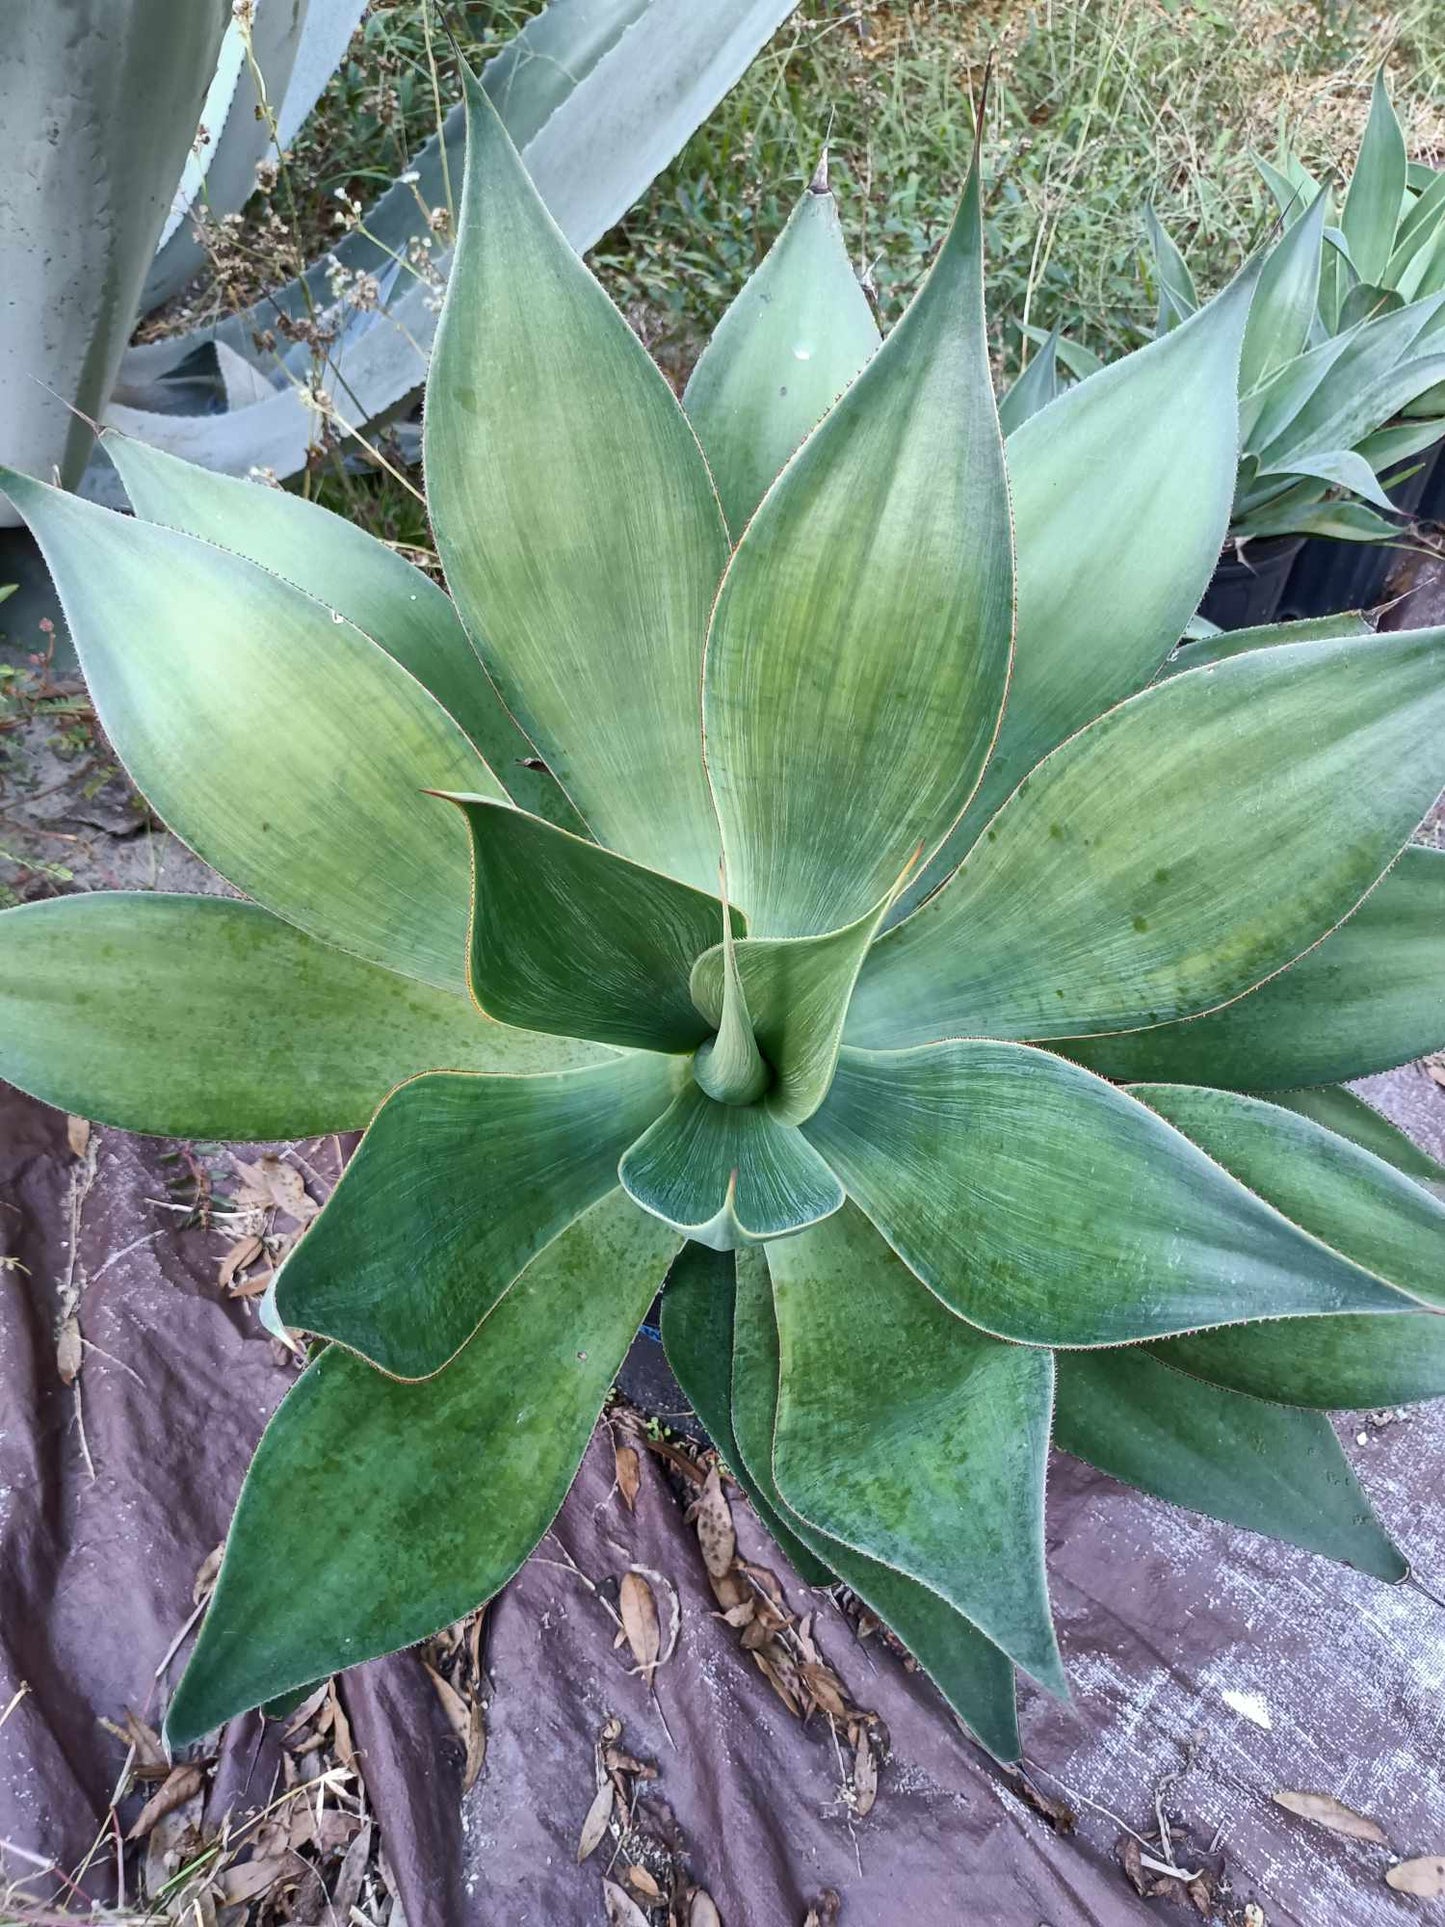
(793,869)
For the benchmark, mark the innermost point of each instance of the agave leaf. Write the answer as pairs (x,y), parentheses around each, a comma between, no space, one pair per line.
(254,69)
(1302,513)
(1369,997)
(1285,299)
(1339,468)
(1356,1361)
(280,742)
(1394,444)
(352,1495)
(1341,1111)
(1291,184)
(947,1434)
(199,1017)
(1035,387)
(1351,1200)
(1377,189)
(1168,857)
(1239,642)
(697,1336)
(727,1174)
(1380,365)
(1417,239)
(1083,519)
(969,1670)
(1360,411)
(1178,297)
(575,517)
(99,105)
(568,938)
(349,571)
(730,1066)
(1266,1467)
(796,991)
(1364,302)
(1046,1206)
(459,1183)
(859,651)
(780,357)
(1268,413)
(1080,361)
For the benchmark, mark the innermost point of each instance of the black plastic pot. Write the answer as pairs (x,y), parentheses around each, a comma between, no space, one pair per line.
(1245,590)
(1332,576)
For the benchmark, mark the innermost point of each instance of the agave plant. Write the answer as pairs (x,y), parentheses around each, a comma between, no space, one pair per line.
(1342,378)
(867,948)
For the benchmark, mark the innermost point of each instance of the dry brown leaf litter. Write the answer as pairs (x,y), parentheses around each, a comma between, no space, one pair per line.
(1326,1811)
(453,1661)
(1425,1877)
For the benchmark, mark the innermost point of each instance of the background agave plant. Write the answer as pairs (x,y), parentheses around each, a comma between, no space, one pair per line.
(1342,378)
(933,1116)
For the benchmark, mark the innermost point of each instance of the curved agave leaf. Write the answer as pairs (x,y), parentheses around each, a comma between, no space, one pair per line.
(1178,297)
(1337,468)
(1035,387)
(1341,1111)
(283,745)
(1359,1361)
(236,133)
(969,1670)
(83,197)
(1204,651)
(1268,412)
(1083,518)
(859,650)
(568,938)
(1046,1206)
(797,991)
(948,1434)
(199,1017)
(458,1185)
(1417,241)
(574,516)
(697,1336)
(727,1174)
(1168,858)
(780,357)
(1286,299)
(729,1066)
(1377,189)
(1349,1199)
(1269,1468)
(348,570)
(375,1461)
(1381,365)
(1369,997)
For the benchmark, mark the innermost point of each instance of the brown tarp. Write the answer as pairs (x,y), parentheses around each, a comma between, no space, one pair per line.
(1236,1666)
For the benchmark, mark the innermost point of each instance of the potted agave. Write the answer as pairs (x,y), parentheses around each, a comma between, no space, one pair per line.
(1342,380)
(789,872)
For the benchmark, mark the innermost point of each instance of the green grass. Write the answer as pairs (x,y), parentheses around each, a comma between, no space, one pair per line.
(1098,106)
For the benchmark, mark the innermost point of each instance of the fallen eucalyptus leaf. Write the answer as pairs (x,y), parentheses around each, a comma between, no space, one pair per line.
(639,1620)
(595,1825)
(1424,1877)
(182,1783)
(621,1910)
(713,1520)
(1326,1811)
